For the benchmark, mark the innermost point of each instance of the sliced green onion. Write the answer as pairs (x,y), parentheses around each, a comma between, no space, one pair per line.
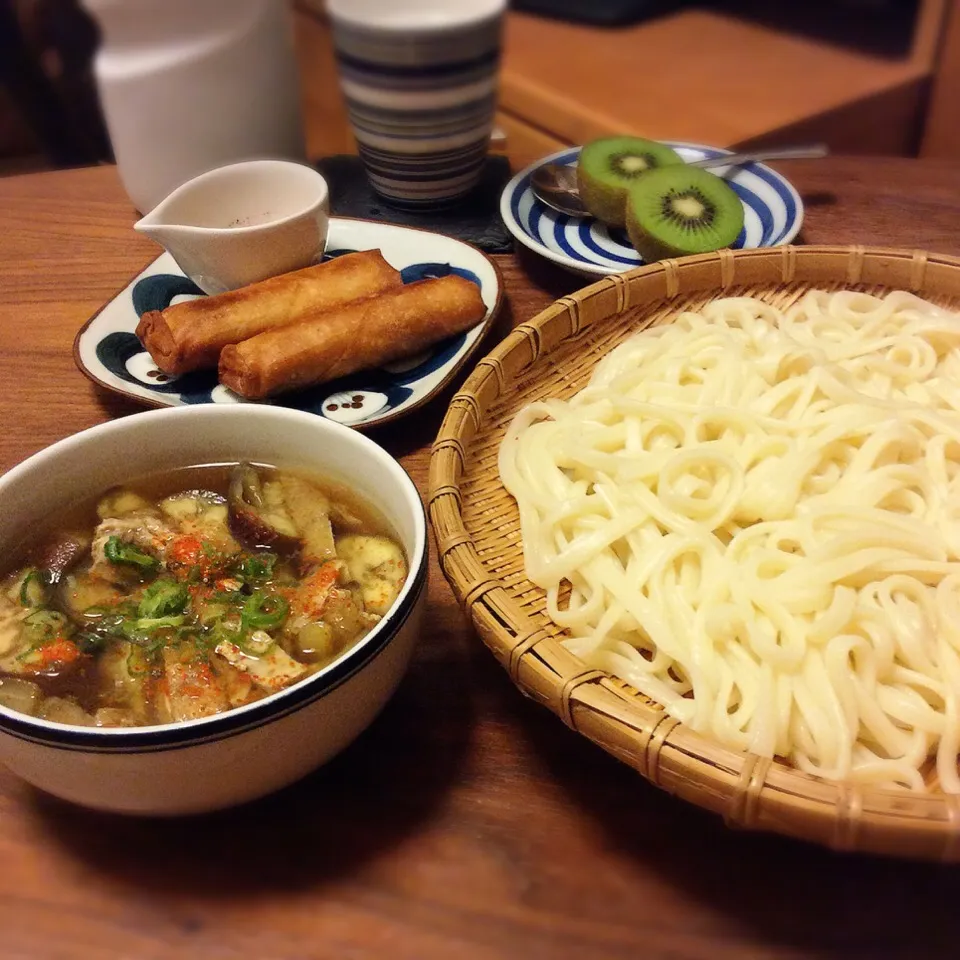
(210,613)
(46,624)
(41,627)
(163,598)
(143,630)
(138,661)
(149,624)
(33,590)
(228,597)
(257,566)
(103,624)
(261,611)
(118,551)
(224,631)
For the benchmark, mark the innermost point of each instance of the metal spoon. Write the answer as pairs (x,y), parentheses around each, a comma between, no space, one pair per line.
(556,185)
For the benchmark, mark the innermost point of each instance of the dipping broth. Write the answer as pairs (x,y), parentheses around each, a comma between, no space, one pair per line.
(190,593)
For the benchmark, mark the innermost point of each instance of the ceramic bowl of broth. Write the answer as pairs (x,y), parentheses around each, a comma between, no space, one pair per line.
(200,605)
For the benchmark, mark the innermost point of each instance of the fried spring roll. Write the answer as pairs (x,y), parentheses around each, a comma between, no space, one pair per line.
(356,337)
(190,335)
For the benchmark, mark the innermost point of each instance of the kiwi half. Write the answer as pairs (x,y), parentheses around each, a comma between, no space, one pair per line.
(608,168)
(679,210)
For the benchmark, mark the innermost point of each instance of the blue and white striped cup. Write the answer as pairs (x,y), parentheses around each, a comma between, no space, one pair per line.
(420,82)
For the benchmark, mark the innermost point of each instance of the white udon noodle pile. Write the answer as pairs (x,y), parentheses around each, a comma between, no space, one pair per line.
(759,515)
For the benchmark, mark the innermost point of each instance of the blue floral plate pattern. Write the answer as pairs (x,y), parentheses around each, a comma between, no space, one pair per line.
(772,208)
(107,350)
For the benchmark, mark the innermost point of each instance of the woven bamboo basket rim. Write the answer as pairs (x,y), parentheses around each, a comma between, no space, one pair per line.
(476,526)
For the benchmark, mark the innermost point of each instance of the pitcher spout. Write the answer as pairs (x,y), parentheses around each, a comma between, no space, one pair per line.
(157,222)
(153,229)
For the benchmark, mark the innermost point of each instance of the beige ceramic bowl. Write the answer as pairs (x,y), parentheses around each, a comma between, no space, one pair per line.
(250,751)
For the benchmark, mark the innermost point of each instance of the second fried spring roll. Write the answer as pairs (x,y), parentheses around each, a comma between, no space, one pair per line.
(361,335)
(190,335)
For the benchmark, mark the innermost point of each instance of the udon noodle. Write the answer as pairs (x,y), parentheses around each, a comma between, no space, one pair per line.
(753,517)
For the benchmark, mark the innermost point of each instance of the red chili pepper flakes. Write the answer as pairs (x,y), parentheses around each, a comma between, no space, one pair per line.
(199,591)
(189,552)
(198,679)
(316,589)
(185,550)
(59,650)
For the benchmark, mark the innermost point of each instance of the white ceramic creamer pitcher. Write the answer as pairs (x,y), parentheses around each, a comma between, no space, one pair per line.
(243,223)
(188,85)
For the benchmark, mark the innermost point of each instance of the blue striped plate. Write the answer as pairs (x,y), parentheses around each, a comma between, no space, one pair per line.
(773,213)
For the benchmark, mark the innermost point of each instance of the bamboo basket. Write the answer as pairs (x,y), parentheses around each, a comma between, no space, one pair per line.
(477,530)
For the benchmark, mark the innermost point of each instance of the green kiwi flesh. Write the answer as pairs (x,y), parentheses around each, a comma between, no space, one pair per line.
(608,168)
(680,210)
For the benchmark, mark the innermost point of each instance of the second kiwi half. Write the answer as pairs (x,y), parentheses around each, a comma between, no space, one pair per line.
(680,210)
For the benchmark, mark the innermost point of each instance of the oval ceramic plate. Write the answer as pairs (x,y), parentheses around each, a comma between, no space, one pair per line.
(773,213)
(107,350)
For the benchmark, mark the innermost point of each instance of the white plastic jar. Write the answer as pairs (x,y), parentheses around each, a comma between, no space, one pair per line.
(189,85)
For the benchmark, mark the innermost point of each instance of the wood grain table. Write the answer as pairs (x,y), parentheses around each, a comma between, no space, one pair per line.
(466,822)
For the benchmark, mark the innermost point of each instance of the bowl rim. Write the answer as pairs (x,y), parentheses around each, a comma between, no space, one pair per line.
(236,720)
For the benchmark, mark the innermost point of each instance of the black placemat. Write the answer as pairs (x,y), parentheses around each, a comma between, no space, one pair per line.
(475,218)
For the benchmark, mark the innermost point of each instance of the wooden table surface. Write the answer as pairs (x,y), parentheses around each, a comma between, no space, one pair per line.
(466,822)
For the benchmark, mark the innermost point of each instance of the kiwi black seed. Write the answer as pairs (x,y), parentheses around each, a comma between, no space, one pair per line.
(680,210)
(608,168)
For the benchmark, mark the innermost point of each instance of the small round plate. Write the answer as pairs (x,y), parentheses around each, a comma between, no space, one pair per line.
(107,350)
(773,213)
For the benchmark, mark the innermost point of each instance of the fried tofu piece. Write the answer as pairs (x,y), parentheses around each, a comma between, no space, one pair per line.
(190,688)
(270,671)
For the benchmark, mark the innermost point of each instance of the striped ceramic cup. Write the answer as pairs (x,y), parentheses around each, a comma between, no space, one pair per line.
(420,81)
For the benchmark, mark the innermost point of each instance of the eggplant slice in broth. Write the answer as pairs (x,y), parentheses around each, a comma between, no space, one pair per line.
(258,518)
